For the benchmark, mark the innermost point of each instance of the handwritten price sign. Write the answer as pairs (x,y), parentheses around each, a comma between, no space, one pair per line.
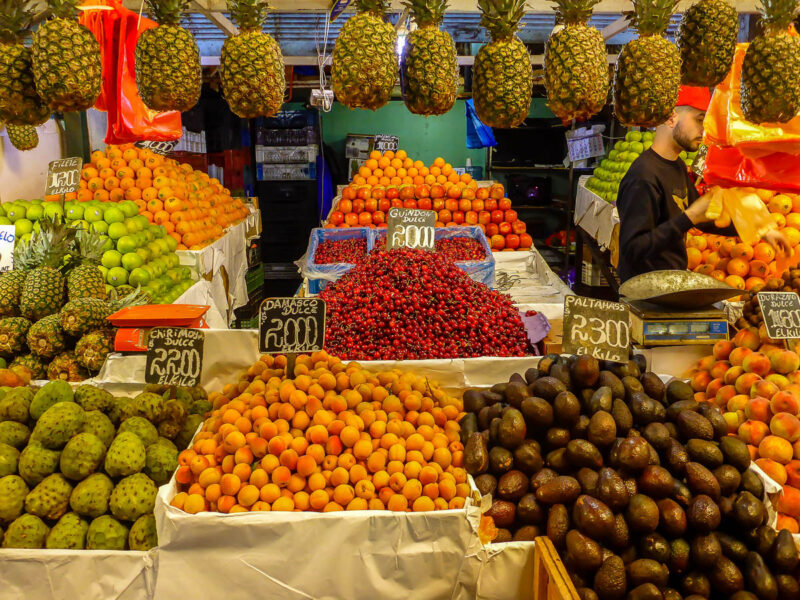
(291,325)
(162,148)
(411,228)
(781,312)
(596,327)
(174,356)
(63,176)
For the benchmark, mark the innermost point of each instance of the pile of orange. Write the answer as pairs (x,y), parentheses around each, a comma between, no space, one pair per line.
(194,208)
(396,168)
(739,264)
(332,437)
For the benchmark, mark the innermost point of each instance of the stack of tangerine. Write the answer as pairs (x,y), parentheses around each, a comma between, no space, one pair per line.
(334,437)
(194,208)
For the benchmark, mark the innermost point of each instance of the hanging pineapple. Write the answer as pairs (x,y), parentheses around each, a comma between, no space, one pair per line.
(770,85)
(19,102)
(502,76)
(251,65)
(364,68)
(23,137)
(707,41)
(647,77)
(67,66)
(429,63)
(575,64)
(168,71)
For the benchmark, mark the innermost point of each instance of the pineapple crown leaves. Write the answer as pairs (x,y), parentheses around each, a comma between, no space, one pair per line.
(88,247)
(15,20)
(378,7)
(64,9)
(651,17)
(249,15)
(136,298)
(573,12)
(49,247)
(167,12)
(501,17)
(427,13)
(777,15)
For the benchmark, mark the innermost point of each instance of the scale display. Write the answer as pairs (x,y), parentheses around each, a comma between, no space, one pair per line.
(680,330)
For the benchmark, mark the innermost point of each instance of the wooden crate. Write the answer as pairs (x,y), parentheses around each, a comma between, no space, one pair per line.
(550,578)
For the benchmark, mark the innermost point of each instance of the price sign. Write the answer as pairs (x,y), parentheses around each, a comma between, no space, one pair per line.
(596,327)
(174,356)
(781,312)
(410,228)
(337,8)
(63,176)
(291,325)
(162,148)
(585,147)
(7,238)
(386,143)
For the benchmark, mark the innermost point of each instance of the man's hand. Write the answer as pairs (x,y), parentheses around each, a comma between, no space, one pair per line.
(697,211)
(779,242)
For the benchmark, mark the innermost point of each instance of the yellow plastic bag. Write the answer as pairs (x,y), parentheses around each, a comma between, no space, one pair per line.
(747,211)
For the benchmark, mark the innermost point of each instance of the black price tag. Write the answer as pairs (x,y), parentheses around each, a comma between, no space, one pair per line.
(386,143)
(291,325)
(411,228)
(596,327)
(174,356)
(162,148)
(63,176)
(781,312)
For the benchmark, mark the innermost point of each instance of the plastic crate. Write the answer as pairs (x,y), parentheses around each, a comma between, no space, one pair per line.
(286,172)
(319,276)
(481,271)
(287,154)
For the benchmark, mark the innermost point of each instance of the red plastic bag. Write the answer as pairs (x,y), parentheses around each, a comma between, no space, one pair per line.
(129,120)
(728,167)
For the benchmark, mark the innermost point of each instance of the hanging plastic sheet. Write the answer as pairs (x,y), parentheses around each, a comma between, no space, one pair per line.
(478,134)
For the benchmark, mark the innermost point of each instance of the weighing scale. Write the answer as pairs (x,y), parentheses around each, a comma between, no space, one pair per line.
(670,308)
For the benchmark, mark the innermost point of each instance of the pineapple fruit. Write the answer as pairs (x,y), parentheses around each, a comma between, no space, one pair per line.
(11,283)
(23,137)
(33,363)
(46,338)
(79,316)
(168,71)
(575,64)
(92,349)
(770,86)
(429,64)
(43,291)
(502,76)
(13,332)
(707,42)
(364,68)
(86,280)
(65,367)
(251,64)
(647,77)
(66,60)
(19,102)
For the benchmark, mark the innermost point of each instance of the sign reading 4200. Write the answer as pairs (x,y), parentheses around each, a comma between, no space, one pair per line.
(291,325)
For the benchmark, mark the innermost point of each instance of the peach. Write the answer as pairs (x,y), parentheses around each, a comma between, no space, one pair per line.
(762,333)
(773,469)
(770,349)
(705,363)
(764,388)
(700,381)
(739,402)
(719,369)
(793,377)
(713,388)
(787,522)
(753,450)
(747,338)
(758,409)
(753,432)
(737,356)
(722,349)
(724,394)
(776,448)
(785,401)
(793,473)
(757,363)
(786,426)
(745,381)
(784,362)
(778,379)
(732,419)
(732,375)
(789,502)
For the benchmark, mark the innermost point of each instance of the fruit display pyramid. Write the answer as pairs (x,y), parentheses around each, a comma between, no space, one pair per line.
(393,180)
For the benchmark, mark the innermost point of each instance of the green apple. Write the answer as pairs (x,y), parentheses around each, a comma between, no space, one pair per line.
(131,261)
(113,215)
(111,259)
(117,276)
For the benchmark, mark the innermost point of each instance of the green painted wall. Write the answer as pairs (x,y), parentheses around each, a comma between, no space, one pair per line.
(424,138)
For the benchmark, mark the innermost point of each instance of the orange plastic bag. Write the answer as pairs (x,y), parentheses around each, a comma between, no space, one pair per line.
(729,167)
(725,124)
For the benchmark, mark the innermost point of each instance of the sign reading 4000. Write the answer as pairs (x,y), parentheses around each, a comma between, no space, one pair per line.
(596,327)
(291,325)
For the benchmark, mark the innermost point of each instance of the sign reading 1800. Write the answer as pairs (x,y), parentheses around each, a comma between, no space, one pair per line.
(410,228)
(291,325)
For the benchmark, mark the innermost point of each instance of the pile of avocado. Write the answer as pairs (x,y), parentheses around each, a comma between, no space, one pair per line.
(639,487)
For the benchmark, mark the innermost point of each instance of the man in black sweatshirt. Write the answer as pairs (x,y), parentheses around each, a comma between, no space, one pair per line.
(658,202)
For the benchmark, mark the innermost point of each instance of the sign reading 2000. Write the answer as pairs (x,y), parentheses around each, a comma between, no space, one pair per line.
(291,325)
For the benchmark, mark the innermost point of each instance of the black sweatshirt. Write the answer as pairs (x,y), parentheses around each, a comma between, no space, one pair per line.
(653,227)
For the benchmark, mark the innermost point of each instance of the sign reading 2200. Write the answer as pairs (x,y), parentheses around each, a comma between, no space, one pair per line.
(291,325)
